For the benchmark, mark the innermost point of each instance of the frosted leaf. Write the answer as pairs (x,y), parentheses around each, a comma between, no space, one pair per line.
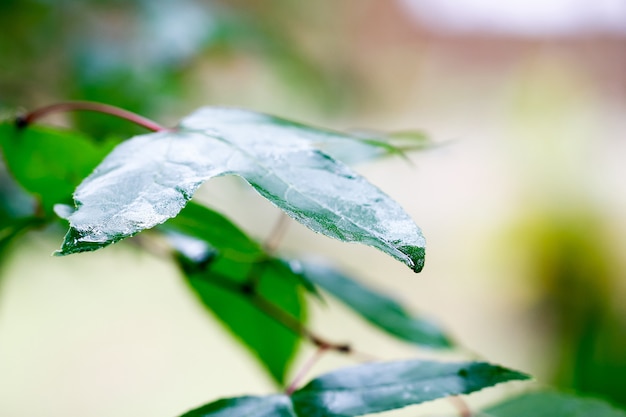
(149,179)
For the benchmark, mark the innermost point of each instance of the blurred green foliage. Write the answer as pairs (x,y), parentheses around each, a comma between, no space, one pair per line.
(573,268)
(145,56)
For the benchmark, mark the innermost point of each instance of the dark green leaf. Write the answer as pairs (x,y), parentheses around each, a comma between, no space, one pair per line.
(149,179)
(268,406)
(48,162)
(222,290)
(10,231)
(216,230)
(376,307)
(377,387)
(552,404)
(228,270)
(367,389)
(216,234)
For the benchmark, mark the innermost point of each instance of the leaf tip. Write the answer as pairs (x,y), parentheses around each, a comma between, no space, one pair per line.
(76,241)
(415,256)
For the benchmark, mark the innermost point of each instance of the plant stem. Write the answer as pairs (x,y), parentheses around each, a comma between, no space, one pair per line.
(460,404)
(276,235)
(305,369)
(291,323)
(28,118)
(261,303)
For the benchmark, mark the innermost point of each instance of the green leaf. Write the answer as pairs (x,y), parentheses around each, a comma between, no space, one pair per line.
(552,404)
(367,389)
(268,406)
(216,230)
(222,289)
(377,387)
(49,162)
(377,308)
(16,227)
(228,270)
(149,179)
(221,236)
(368,146)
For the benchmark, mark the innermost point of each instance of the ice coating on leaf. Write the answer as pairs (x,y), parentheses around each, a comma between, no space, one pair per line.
(149,178)
(142,183)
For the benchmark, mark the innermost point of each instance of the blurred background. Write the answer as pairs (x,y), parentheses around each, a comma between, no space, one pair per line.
(523,203)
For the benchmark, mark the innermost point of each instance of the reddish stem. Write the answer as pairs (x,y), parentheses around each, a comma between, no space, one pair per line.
(305,369)
(460,404)
(28,118)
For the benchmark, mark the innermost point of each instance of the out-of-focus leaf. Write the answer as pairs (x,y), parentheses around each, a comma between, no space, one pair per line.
(15,228)
(551,404)
(377,308)
(367,389)
(49,162)
(369,146)
(215,234)
(272,343)
(228,271)
(377,387)
(15,202)
(216,230)
(268,406)
(149,179)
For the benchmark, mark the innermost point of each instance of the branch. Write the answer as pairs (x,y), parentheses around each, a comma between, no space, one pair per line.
(29,118)
(460,404)
(273,311)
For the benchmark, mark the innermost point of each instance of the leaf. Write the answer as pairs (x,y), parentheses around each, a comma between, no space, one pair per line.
(49,162)
(368,146)
(219,261)
(216,230)
(377,387)
(375,307)
(367,389)
(268,406)
(221,289)
(149,179)
(215,234)
(552,404)
(16,227)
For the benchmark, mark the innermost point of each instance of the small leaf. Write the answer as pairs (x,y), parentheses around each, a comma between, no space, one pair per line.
(377,387)
(377,308)
(552,404)
(268,406)
(149,179)
(49,162)
(368,146)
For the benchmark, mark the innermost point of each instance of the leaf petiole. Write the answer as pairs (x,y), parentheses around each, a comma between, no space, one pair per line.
(30,117)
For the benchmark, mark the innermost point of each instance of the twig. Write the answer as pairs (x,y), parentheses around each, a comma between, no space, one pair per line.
(291,323)
(261,303)
(28,118)
(305,369)
(460,404)
(277,234)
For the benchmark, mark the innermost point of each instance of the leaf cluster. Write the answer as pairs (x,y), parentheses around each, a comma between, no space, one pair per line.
(146,184)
